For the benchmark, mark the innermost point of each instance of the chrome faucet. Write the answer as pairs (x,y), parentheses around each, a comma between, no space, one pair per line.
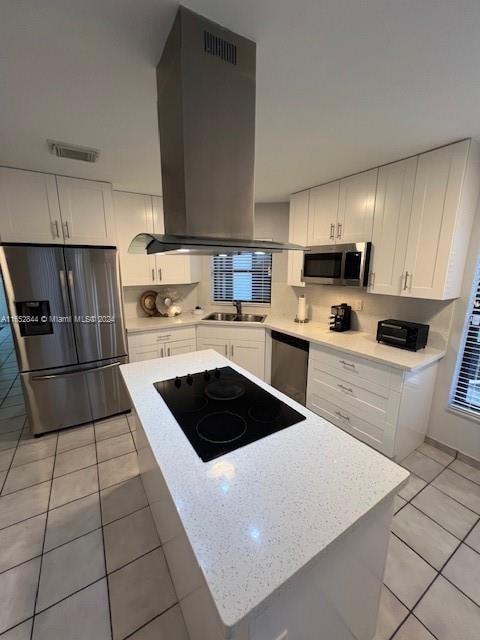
(238,305)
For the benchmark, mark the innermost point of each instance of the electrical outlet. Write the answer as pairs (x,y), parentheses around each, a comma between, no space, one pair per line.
(358,305)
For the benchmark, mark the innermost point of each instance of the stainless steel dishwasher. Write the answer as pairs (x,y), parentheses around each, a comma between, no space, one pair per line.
(290,365)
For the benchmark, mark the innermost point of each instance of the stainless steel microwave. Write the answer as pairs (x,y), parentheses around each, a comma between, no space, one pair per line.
(341,264)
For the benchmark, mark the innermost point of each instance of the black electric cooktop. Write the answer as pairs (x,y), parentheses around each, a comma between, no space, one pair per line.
(222,410)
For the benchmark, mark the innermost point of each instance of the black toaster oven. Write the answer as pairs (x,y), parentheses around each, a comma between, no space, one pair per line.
(405,335)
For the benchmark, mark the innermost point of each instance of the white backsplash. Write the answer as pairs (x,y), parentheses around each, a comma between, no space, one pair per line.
(185,294)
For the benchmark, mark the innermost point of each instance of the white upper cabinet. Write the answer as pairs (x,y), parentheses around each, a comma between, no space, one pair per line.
(443,208)
(29,209)
(297,233)
(136,213)
(393,205)
(170,269)
(87,211)
(133,215)
(355,208)
(323,213)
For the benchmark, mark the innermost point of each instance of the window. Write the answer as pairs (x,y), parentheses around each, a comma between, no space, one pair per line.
(246,277)
(465,394)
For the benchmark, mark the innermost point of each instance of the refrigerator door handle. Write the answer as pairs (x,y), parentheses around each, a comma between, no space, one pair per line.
(63,289)
(74,373)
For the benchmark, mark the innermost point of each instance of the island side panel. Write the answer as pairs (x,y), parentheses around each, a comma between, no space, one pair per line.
(337,596)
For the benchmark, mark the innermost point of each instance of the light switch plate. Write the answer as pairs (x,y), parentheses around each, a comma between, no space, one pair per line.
(358,305)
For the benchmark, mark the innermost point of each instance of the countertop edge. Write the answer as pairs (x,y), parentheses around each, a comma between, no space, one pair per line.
(278,325)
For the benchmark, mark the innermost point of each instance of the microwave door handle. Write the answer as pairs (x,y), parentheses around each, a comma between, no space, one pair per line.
(342,268)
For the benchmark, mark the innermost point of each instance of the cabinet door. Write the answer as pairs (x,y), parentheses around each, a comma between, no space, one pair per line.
(148,352)
(393,206)
(322,214)
(133,215)
(177,347)
(356,205)
(249,355)
(87,211)
(217,344)
(169,269)
(297,233)
(432,223)
(29,210)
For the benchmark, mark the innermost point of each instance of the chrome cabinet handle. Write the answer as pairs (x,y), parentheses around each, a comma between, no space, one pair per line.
(168,351)
(342,416)
(160,275)
(153,275)
(226,350)
(164,337)
(232,350)
(54,225)
(339,229)
(344,388)
(405,281)
(347,364)
(161,352)
(66,231)
(332,231)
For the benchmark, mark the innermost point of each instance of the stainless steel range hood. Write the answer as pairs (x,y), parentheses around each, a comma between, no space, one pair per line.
(206,117)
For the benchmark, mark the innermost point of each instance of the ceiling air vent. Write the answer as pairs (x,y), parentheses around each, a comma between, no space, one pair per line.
(220,48)
(72,151)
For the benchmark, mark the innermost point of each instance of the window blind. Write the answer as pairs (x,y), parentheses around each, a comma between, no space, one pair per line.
(246,277)
(465,393)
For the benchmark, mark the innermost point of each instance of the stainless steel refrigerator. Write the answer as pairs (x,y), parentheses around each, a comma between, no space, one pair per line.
(68,331)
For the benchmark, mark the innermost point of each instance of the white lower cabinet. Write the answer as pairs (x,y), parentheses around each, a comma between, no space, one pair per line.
(243,345)
(384,406)
(147,345)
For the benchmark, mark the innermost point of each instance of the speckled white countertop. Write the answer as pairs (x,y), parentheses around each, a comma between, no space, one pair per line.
(257,515)
(354,342)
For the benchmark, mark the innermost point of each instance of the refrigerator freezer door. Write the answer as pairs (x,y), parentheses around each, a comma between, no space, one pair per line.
(35,284)
(59,398)
(94,285)
(107,391)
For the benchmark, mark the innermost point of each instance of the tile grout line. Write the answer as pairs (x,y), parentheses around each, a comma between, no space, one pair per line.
(438,571)
(13,457)
(107,581)
(43,544)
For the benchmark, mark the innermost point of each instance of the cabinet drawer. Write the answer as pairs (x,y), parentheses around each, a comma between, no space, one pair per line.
(342,417)
(350,367)
(237,332)
(374,404)
(147,338)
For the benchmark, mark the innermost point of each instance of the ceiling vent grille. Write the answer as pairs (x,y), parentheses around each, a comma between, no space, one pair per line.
(220,48)
(72,152)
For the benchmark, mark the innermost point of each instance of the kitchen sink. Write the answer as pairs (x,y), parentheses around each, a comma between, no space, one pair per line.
(221,316)
(249,317)
(235,317)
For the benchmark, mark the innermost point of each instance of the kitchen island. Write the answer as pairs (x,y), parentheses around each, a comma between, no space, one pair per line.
(283,538)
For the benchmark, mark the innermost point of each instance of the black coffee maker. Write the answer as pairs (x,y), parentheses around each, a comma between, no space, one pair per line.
(340,316)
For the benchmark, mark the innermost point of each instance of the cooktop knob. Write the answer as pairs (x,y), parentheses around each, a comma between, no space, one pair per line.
(189,379)
(216,373)
(178,382)
(207,375)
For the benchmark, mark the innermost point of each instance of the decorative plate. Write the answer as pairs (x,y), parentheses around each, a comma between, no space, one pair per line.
(147,302)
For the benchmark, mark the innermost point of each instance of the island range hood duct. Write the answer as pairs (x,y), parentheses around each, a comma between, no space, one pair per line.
(206,117)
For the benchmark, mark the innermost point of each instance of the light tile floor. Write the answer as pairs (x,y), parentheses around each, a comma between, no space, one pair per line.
(80,558)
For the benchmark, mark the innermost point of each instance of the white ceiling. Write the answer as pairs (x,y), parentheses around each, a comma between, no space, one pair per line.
(342,85)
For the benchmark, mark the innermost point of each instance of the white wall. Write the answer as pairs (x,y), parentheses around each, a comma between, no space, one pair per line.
(455,430)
